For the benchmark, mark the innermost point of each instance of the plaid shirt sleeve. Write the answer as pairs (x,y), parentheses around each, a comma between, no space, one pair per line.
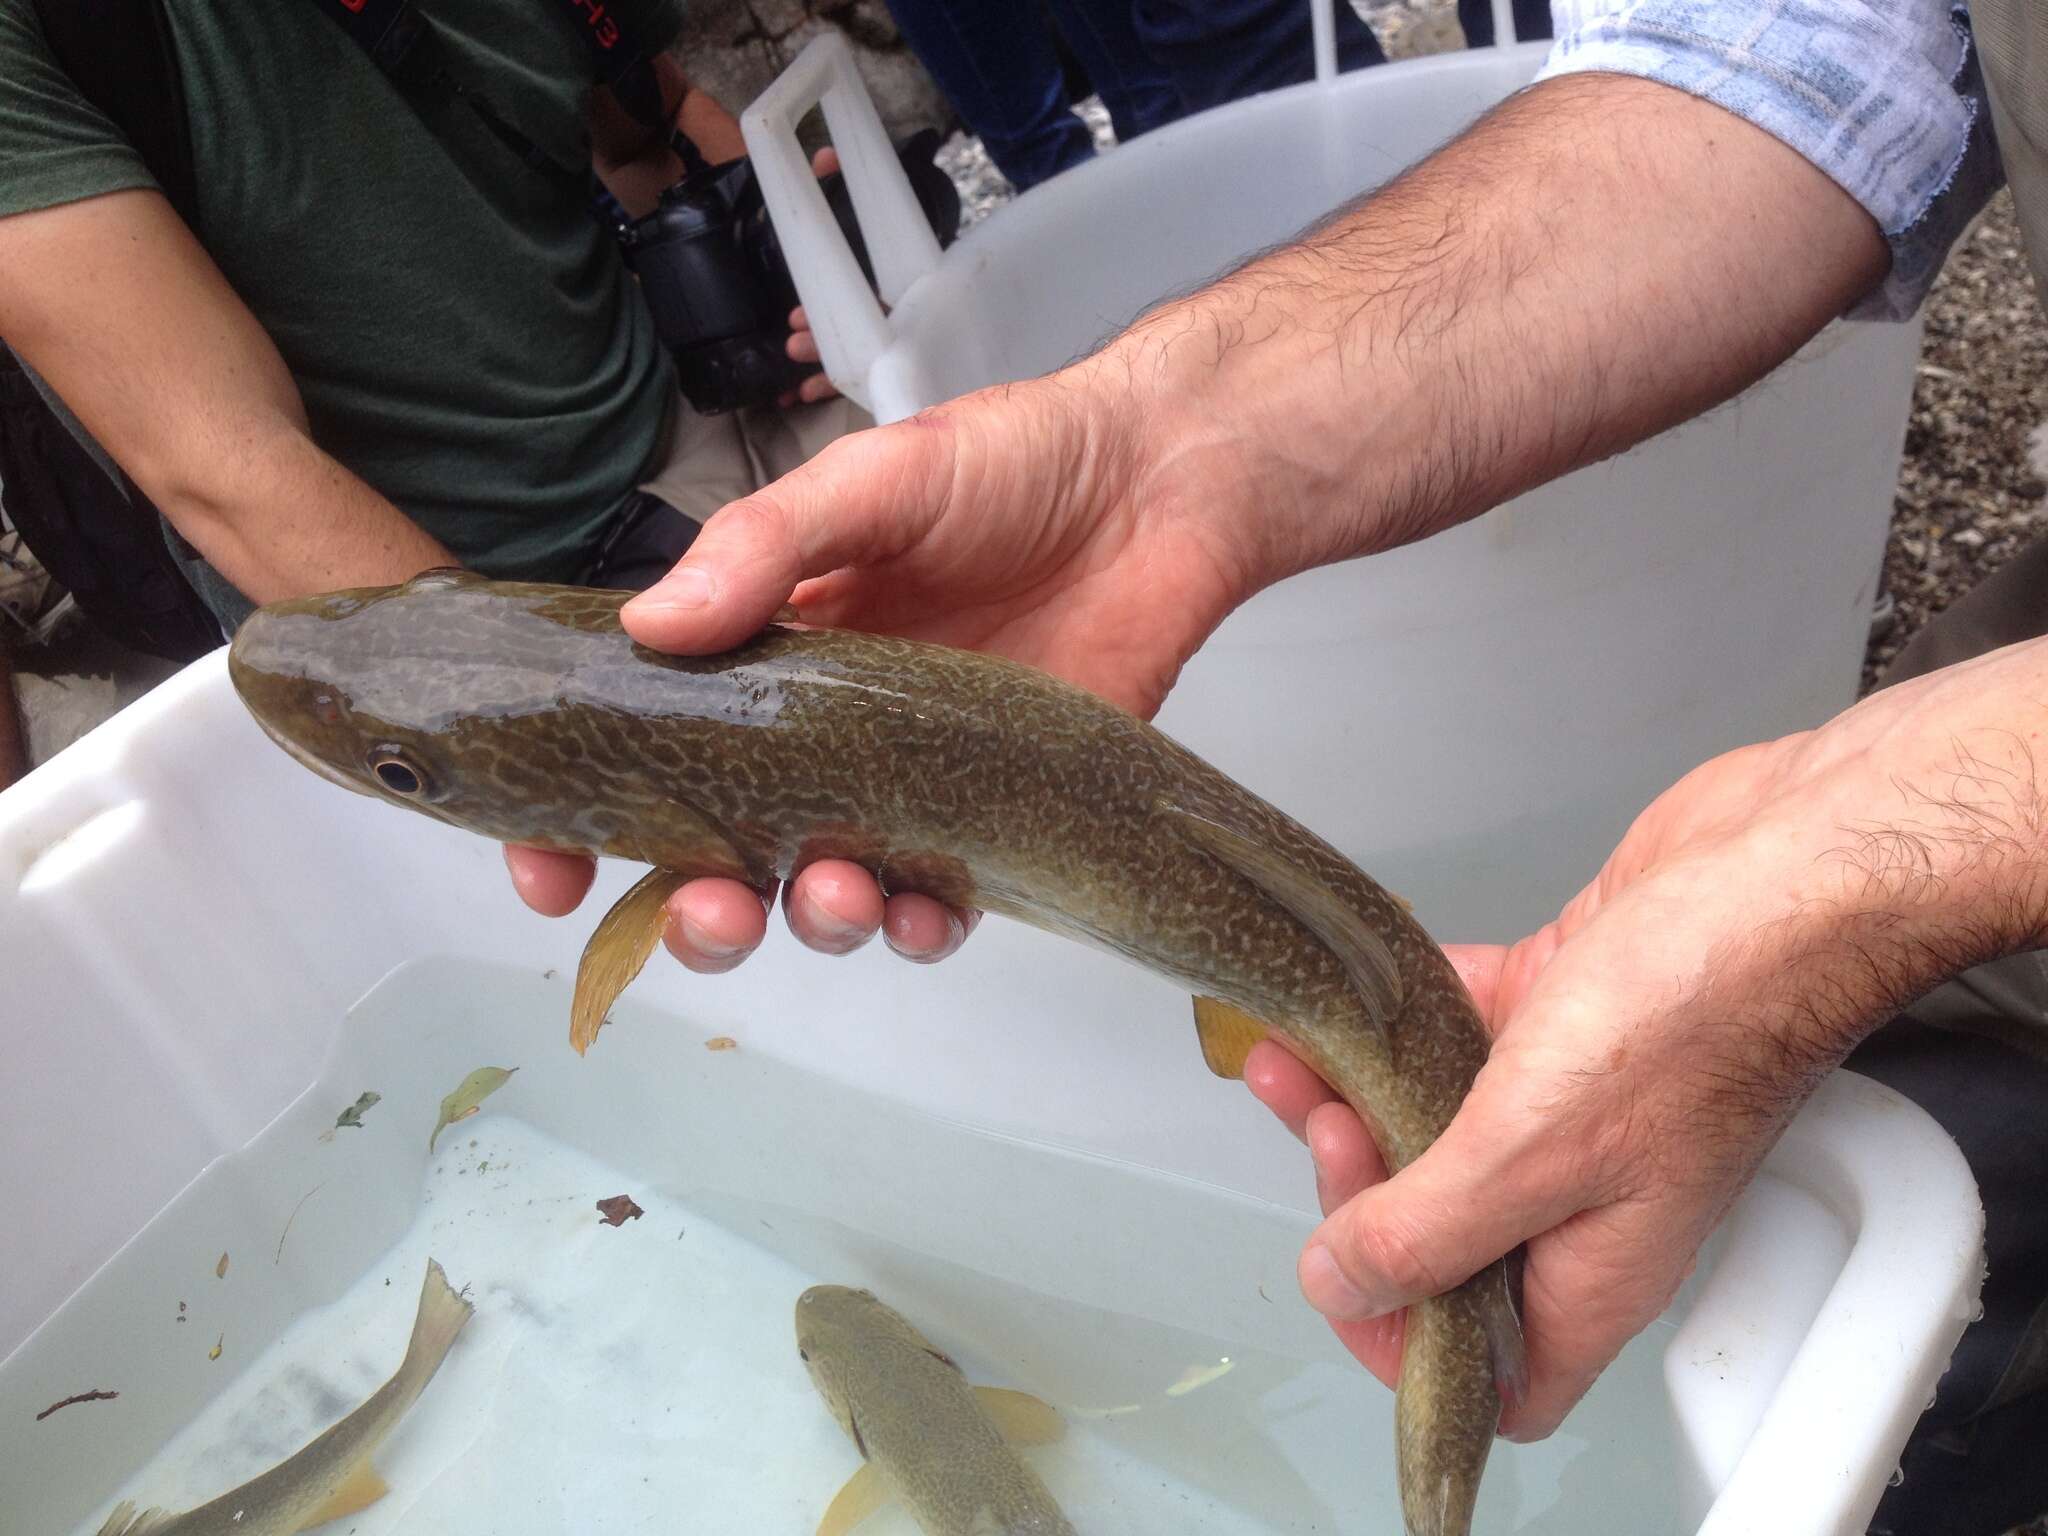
(1883,95)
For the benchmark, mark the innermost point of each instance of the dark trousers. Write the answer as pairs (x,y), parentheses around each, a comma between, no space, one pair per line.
(996,62)
(1974,1054)
(1219,50)
(1532,20)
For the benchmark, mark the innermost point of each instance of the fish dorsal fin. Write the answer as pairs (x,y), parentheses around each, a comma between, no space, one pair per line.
(1022,1418)
(1227,1035)
(361,1488)
(616,952)
(1364,954)
(863,1494)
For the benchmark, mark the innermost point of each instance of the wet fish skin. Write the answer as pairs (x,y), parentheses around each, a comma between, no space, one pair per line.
(331,1475)
(524,713)
(917,1421)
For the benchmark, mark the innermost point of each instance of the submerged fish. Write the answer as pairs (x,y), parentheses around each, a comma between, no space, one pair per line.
(331,1475)
(940,1447)
(526,714)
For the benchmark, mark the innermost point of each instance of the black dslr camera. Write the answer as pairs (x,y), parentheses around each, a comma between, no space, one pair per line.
(716,282)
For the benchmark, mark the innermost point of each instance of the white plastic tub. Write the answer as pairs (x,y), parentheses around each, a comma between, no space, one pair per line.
(1020,1148)
(1482,713)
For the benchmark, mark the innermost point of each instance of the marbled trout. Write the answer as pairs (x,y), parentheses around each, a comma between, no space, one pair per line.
(525,713)
(331,1475)
(940,1447)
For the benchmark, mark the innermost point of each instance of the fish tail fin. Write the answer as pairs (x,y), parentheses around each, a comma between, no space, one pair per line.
(124,1521)
(1463,1359)
(443,1311)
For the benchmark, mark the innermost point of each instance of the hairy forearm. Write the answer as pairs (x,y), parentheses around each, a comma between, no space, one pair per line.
(1595,261)
(279,518)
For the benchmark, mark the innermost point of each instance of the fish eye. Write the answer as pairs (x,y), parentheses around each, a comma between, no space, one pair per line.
(397,772)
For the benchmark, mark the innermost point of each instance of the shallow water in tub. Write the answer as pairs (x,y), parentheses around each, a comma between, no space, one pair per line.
(644,1377)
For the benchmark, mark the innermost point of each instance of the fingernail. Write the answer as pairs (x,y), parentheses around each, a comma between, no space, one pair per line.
(956,935)
(829,931)
(685,587)
(704,944)
(1329,1290)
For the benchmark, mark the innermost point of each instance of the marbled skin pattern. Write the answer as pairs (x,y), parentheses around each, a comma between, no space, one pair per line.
(528,716)
(915,1419)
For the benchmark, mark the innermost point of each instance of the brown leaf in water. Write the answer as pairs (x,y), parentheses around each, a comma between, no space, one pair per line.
(619,1210)
(721,1043)
(220,1270)
(94,1396)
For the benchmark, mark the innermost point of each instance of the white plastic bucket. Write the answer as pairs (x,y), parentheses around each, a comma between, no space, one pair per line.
(1020,1148)
(1476,718)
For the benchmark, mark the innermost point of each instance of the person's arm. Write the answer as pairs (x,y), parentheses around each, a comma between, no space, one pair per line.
(633,159)
(1594,261)
(1760,918)
(115,304)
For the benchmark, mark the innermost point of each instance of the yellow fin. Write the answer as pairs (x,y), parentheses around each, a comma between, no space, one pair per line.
(863,1494)
(1023,1419)
(1227,1035)
(359,1490)
(617,950)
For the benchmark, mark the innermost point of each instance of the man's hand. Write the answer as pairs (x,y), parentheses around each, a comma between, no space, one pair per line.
(1759,918)
(1592,263)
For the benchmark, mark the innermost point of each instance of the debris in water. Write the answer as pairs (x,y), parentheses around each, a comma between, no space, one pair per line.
(94,1396)
(220,1270)
(721,1043)
(619,1210)
(468,1097)
(548,974)
(353,1115)
(181,1312)
(214,1353)
(278,1257)
(1198,1376)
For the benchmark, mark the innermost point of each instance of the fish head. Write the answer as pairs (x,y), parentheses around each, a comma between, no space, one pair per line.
(445,695)
(838,1331)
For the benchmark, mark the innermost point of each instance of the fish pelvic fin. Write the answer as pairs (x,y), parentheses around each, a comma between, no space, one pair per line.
(359,1489)
(1227,1035)
(1463,1358)
(1368,962)
(124,1521)
(442,1314)
(1022,1418)
(616,952)
(863,1494)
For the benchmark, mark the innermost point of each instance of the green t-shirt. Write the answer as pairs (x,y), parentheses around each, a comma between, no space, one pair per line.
(462,329)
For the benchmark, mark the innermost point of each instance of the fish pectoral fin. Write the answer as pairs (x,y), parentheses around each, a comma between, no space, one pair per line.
(1227,1035)
(124,1521)
(359,1490)
(617,951)
(863,1494)
(1023,1419)
(1367,961)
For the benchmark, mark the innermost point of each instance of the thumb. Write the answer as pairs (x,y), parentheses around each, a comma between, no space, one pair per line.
(1446,1216)
(864,498)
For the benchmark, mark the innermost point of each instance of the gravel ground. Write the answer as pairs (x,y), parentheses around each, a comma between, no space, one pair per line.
(1972,488)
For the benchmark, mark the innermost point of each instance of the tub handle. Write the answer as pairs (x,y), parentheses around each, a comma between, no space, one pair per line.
(851,327)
